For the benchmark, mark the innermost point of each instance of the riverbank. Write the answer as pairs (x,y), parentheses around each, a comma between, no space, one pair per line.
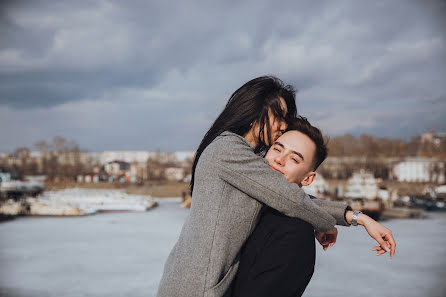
(154,189)
(175,189)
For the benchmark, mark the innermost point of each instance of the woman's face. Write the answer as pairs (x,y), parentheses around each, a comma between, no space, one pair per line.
(277,127)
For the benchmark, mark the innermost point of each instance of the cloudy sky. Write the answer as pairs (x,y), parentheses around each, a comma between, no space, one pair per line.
(146,75)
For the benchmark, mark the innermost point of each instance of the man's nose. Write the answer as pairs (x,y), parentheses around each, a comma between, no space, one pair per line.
(279,159)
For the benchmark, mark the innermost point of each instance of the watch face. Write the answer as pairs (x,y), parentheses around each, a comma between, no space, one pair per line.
(355,217)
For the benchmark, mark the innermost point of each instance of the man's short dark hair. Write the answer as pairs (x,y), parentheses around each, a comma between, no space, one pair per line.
(302,125)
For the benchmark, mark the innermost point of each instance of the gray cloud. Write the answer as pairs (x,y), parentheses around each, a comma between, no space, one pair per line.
(359,66)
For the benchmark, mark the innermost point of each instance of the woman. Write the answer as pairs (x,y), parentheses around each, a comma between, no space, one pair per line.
(229,186)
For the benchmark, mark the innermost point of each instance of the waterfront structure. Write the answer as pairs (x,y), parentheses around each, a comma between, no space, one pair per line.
(433,138)
(78,202)
(362,185)
(420,170)
(4,176)
(17,188)
(95,200)
(441,189)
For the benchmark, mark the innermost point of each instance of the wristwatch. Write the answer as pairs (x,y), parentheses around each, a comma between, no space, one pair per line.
(355,217)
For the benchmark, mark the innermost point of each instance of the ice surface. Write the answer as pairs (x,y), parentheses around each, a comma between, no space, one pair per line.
(122,254)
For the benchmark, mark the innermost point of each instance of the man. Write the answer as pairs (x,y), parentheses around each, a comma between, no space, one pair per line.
(278,258)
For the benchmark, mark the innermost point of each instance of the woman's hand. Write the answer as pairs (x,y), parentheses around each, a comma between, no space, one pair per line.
(327,239)
(381,234)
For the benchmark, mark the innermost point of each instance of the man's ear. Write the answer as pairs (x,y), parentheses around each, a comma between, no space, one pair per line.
(309,178)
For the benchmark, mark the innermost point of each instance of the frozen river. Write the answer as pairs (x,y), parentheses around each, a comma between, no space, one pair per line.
(122,254)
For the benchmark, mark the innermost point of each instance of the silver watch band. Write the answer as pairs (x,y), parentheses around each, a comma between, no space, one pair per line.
(355,217)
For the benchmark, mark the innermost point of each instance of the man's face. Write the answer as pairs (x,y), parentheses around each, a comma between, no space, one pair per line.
(292,155)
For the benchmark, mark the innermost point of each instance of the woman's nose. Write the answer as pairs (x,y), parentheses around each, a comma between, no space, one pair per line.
(282,127)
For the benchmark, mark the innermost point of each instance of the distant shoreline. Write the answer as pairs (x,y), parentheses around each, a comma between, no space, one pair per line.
(175,189)
(154,189)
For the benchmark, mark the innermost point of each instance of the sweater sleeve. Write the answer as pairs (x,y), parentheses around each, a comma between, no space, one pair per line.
(335,209)
(238,165)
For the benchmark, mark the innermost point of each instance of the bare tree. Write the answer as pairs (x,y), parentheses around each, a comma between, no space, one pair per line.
(43,148)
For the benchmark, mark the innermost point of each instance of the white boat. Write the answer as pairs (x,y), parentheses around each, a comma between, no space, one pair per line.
(78,202)
(363,193)
(17,187)
(93,200)
(362,184)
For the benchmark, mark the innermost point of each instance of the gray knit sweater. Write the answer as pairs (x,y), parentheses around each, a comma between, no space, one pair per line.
(231,185)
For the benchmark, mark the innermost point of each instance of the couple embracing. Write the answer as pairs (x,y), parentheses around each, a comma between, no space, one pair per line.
(251,227)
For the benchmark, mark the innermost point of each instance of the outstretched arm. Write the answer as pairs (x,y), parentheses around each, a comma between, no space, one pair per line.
(381,234)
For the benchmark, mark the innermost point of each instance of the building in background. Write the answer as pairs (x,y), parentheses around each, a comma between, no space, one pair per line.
(126,156)
(362,184)
(4,176)
(420,170)
(117,168)
(174,173)
(433,138)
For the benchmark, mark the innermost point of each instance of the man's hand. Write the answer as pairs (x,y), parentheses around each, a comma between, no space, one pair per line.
(327,239)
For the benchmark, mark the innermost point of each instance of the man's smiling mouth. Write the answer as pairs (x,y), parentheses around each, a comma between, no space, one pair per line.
(275,169)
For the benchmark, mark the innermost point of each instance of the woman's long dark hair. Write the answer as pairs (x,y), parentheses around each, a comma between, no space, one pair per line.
(248,106)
